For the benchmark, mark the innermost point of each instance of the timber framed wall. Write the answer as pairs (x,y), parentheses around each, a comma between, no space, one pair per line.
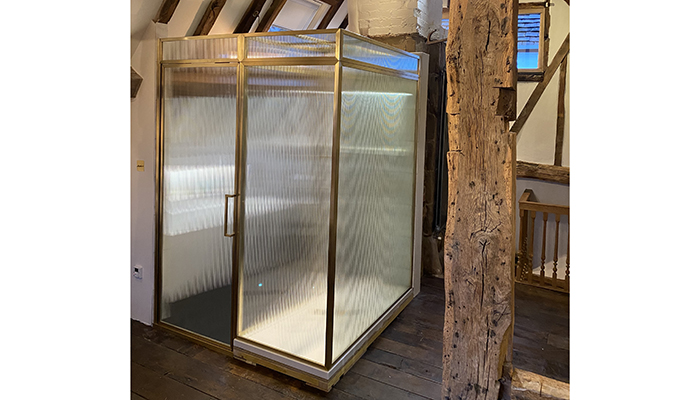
(360,76)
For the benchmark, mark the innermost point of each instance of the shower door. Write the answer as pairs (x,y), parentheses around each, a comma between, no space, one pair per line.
(198,197)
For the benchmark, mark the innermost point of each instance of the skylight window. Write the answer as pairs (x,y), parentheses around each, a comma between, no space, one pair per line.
(299,15)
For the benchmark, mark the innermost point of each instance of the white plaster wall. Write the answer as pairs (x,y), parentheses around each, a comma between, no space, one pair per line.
(143,147)
(429,16)
(536,141)
(186,17)
(373,18)
(231,14)
(142,12)
(395,17)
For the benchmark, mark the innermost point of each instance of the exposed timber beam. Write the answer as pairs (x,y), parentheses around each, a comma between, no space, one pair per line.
(561,113)
(270,15)
(210,15)
(544,172)
(480,239)
(166,11)
(249,17)
(539,89)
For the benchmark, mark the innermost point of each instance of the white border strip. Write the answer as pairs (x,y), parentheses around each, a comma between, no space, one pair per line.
(340,363)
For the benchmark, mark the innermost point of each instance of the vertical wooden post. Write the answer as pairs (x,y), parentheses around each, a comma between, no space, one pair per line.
(520,271)
(557,218)
(531,253)
(561,112)
(566,277)
(543,256)
(480,240)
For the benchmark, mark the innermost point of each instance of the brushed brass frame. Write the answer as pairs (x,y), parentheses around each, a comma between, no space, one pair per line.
(241,62)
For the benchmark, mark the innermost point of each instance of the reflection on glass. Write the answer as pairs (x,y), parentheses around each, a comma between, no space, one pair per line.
(371,53)
(375,200)
(287,197)
(307,45)
(199,117)
(528,41)
(215,48)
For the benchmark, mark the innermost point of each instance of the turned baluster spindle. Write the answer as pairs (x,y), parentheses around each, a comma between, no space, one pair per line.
(557,218)
(545,215)
(531,255)
(568,237)
(520,273)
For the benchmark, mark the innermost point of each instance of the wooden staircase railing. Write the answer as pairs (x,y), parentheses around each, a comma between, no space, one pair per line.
(524,269)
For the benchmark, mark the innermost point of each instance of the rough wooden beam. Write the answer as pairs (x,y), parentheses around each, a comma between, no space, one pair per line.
(479,239)
(210,15)
(136,80)
(270,15)
(545,36)
(539,89)
(549,173)
(166,11)
(249,17)
(335,5)
(561,113)
(530,76)
(532,5)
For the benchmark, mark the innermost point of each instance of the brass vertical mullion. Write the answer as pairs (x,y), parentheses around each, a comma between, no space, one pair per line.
(239,214)
(333,217)
(158,189)
(415,166)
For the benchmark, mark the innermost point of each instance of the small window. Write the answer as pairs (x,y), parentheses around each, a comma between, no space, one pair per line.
(445,17)
(533,40)
(299,15)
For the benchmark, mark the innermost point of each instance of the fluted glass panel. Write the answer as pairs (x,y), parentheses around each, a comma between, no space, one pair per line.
(375,200)
(371,53)
(304,45)
(201,49)
(287,197)
(199,139)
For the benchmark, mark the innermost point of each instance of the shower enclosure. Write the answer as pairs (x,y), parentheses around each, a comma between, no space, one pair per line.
(288,215)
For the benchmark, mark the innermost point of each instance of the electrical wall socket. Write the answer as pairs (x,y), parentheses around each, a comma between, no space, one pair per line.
(137,271)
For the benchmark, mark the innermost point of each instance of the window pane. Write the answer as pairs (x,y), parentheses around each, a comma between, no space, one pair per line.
(528,40)
(309,45)
(200,49)
(287,208)
(375,200)
(361,50)
(296,15)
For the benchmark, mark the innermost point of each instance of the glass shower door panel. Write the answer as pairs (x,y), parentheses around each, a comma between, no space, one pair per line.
(199,147)
(375,200)
(286,214)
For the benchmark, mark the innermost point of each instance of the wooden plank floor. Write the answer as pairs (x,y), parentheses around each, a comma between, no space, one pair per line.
(405,362)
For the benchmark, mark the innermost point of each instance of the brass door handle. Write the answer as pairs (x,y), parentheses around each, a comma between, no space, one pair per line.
(228,196)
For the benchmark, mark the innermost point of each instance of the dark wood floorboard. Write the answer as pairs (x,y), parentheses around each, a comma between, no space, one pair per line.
(405,362)
(148,384)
